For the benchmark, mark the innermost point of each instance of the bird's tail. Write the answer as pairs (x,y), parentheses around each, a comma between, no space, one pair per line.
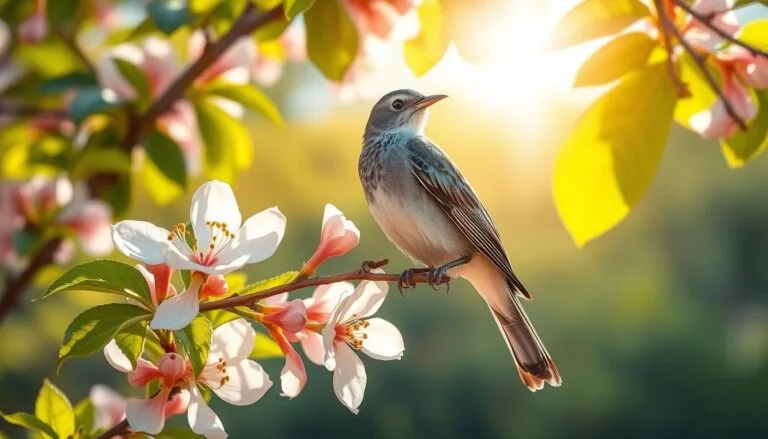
(534,364)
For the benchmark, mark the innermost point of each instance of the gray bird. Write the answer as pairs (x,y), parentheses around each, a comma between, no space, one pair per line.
(429,211)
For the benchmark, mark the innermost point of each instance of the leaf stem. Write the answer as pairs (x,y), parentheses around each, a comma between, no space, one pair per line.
(363,273)
(668,26)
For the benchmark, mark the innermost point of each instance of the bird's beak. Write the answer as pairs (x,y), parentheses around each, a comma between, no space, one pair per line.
(426,101)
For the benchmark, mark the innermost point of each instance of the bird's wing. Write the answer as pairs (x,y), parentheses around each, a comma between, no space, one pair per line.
(444,182)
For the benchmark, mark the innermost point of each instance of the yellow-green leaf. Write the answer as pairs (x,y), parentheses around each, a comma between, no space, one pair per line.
(101,160)
(103,276)
(332,40)
(624,54)
(265,348)
(295,7)
(131,340)
(746,145)
(92,329)
(85,415)
(250,96)
(701,95)
(428,48)
(160,189)
(136,77)
(611,157)
(196,341)
(167,156)
(592,19)
(281,279)
(30,422)
(54,408)
(227,142)
(754,33)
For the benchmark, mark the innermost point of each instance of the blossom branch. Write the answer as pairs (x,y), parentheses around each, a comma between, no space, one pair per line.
(15,286)
(668,26)
(680,87)
(706,20)
(21,109)
(250,20)
(70,42)
(120,430)
(364,273)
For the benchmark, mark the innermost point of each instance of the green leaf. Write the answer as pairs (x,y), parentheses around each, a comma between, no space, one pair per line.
(178,433)
(196,340)
(74,80)
(118,194)
(92,100)
(611,157)
(280,279)
(592,19)
(624,54)
(293,8)
(54,408)
(136,77)
(93,161)
(103,276)
(167,155)
(428,48)
(332,40)
(169,15)
(251,97)
(30,422)
(220,316)
(265,348)
(85,415)
(199,7)
(227,142)
(746,145)
(95,327)
(60,12)
(131,340)
(160,189)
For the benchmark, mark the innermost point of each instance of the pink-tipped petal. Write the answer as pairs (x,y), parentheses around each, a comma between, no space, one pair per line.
(312,343)
(291,317)
(173,367)
(202,419)
(144,373)
(293,377)
(109,405)
(34,29)
(148,415)
(177,404)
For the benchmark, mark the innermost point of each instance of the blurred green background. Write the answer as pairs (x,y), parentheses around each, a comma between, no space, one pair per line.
(658,328)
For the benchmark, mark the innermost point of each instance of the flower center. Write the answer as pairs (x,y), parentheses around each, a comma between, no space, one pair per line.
(221,237)
(353,332)
(215,375)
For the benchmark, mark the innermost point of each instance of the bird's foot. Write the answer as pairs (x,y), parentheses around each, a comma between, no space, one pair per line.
(439,276)
(405,281)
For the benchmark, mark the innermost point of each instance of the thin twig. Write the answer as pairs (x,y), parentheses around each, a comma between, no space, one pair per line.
(706,20)
(680,87)
(668,26)
(119,430)
(70,42)
(250,20)
(21,109)
(15,286)
(362,274)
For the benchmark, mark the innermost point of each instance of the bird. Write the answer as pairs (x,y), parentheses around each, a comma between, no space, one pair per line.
(429,211)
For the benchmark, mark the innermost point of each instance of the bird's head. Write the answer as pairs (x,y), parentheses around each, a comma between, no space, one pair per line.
(400,111)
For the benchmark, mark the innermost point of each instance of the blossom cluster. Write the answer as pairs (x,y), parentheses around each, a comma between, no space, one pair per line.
(331,325)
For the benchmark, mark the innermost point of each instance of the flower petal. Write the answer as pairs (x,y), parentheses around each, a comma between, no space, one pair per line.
(141,240)
(291,317)
(247,383)
(176,312)
(349,378)
(366,300)
(325,298)
(383,340)
(116,358)
(293,377)
(147,415)
(109,405)
(201,418)
(177,404)
(276,300)
(144,373)
(213,201)
(232,341)
(312,343)
(258,238)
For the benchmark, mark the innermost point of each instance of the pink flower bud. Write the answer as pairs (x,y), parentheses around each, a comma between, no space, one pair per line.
(34,29)
(338,236)
(173,367)
(715,121)
(214,286)
(291,318)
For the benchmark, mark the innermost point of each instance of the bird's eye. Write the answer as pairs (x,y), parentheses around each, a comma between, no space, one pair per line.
(398,104)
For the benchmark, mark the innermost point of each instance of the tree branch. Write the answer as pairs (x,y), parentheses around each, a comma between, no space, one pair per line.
(250,20)
(70,42)
(363,273)
(668,26)
(14,287)
(21,109)
(680,87)
(706,20)
(119,430)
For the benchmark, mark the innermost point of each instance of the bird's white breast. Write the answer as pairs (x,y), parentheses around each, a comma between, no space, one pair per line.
(417,226)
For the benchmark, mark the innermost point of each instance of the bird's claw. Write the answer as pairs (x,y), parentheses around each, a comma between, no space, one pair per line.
(439,276)
(405,281)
